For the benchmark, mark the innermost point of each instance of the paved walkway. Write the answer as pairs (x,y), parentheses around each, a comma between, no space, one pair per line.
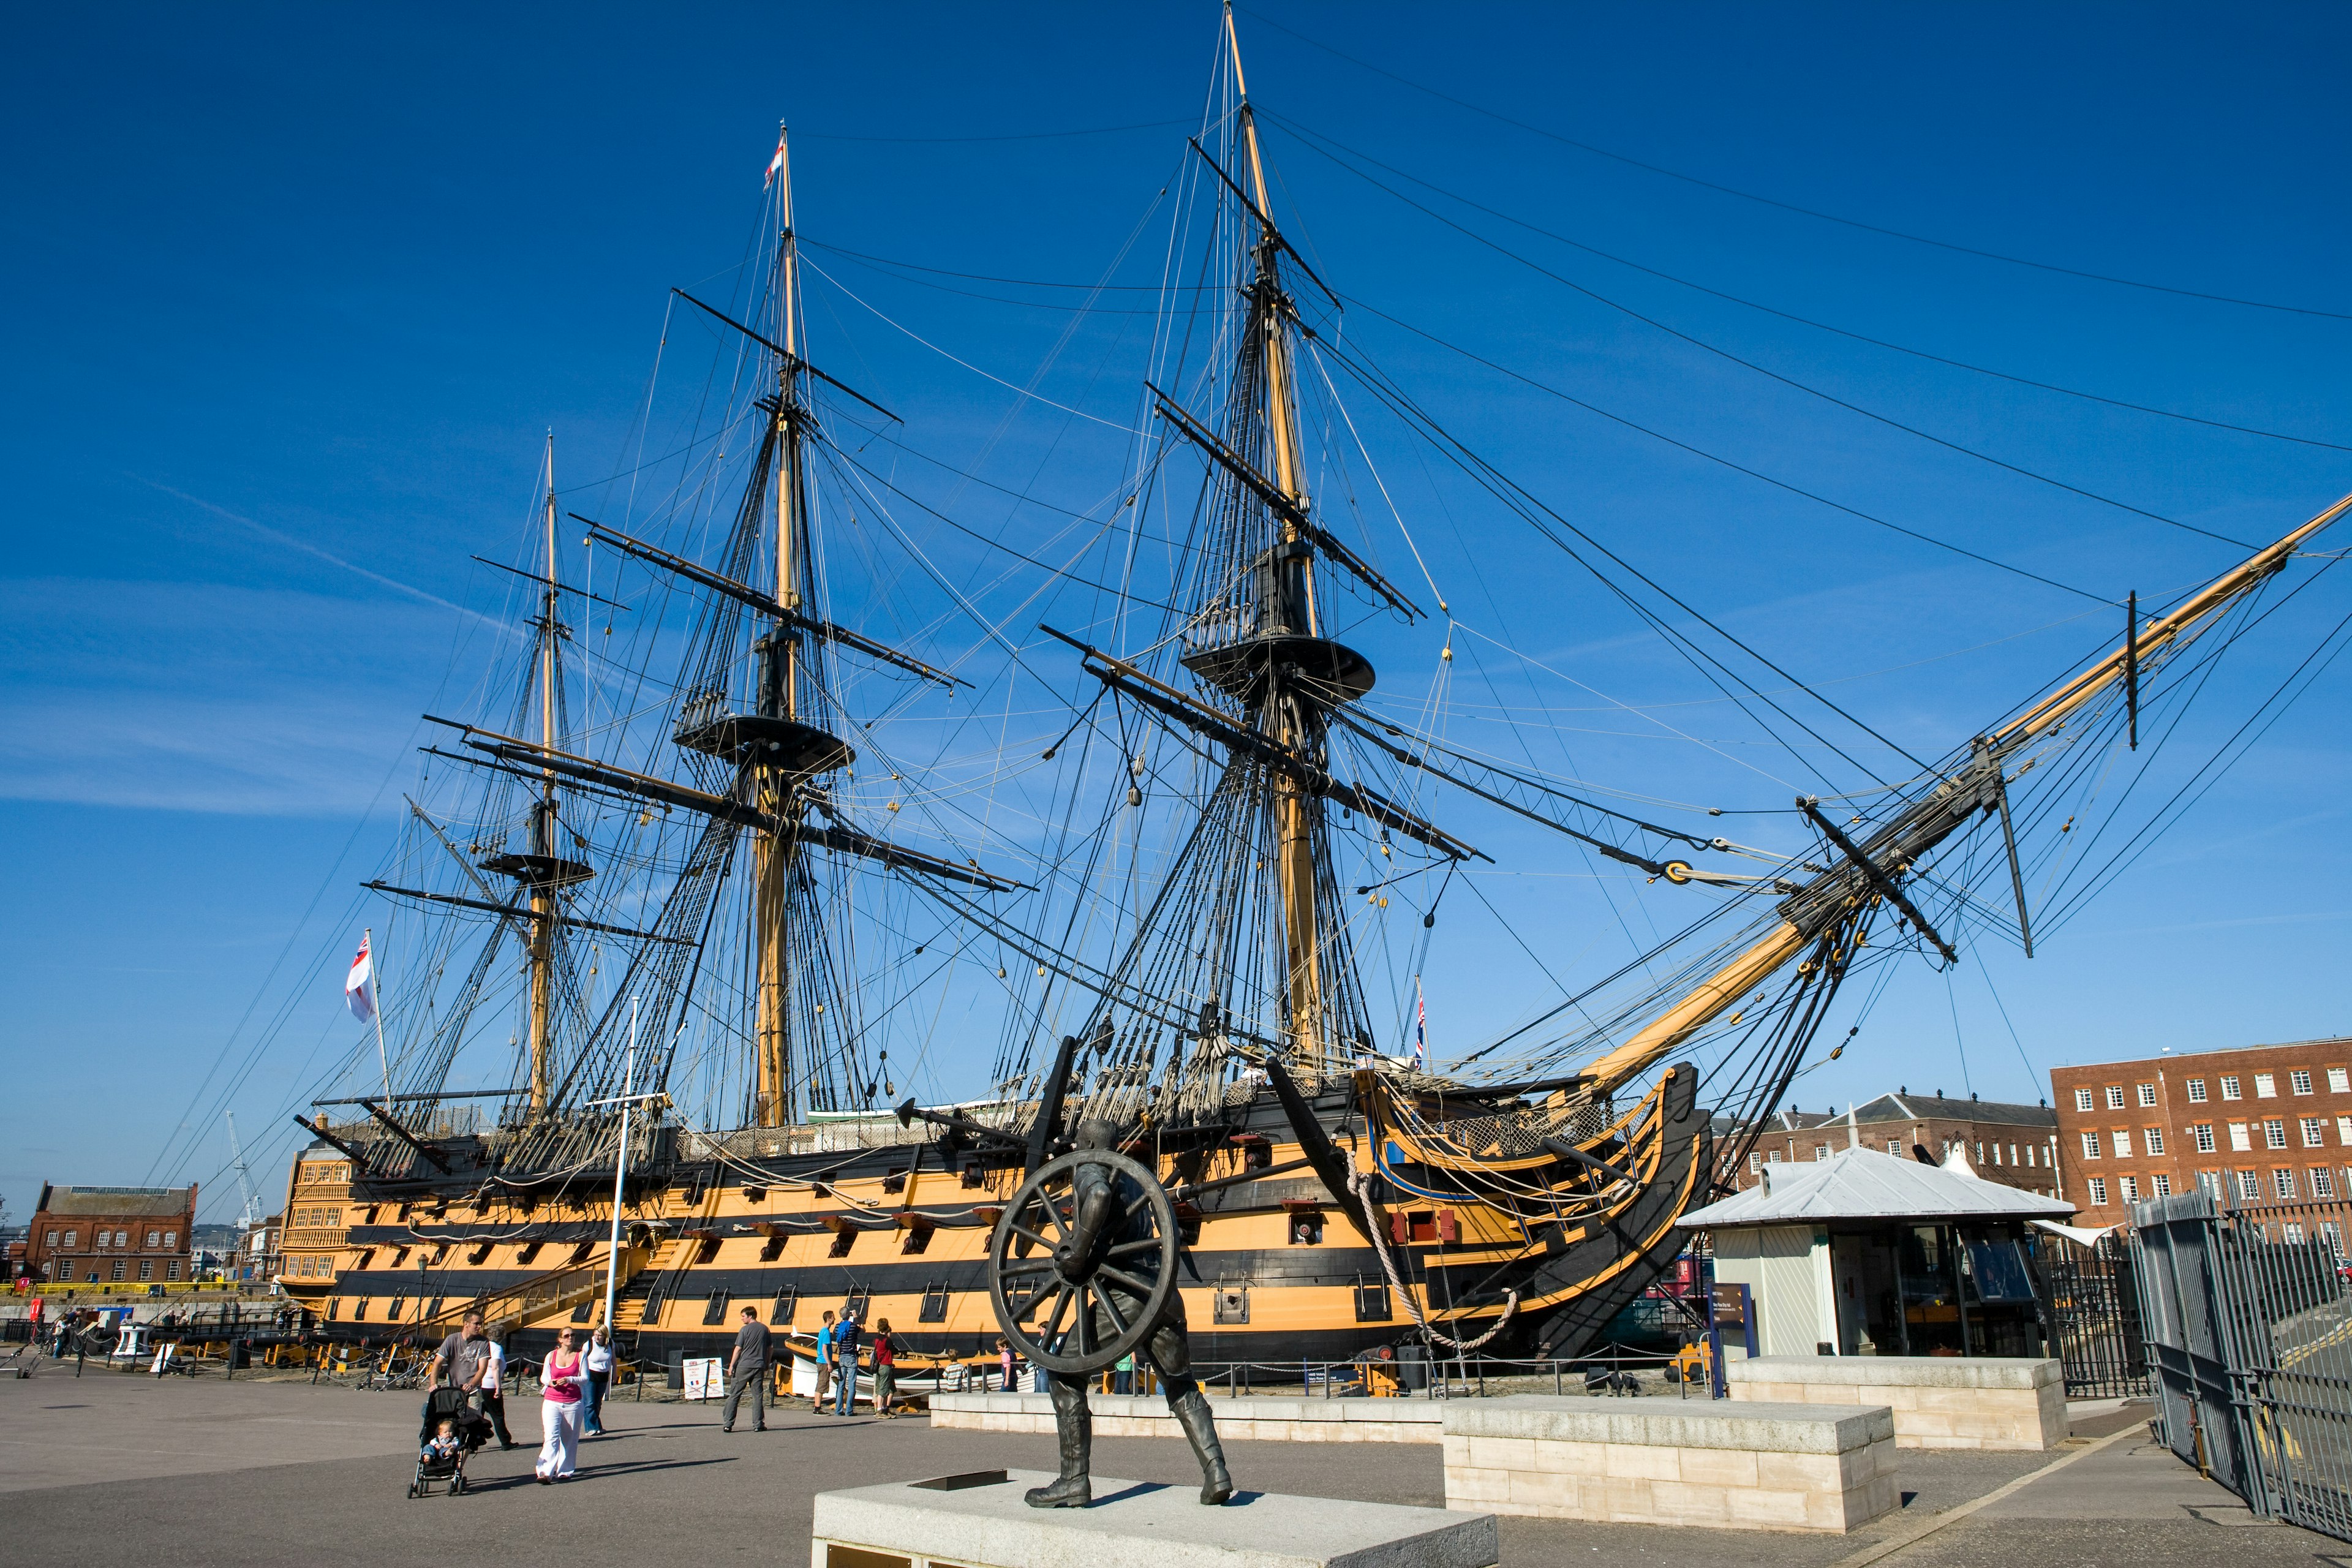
(111,1468)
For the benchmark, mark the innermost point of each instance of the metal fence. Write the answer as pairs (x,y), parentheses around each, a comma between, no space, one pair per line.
(2096,1318)
(2247,1312)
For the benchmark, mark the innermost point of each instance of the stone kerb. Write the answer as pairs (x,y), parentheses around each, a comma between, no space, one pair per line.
(1939,1401)
(1796,1466)
(1256,1419)
(980,1521)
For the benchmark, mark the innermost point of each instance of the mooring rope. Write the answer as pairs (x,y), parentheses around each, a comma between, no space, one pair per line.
(1360,1184)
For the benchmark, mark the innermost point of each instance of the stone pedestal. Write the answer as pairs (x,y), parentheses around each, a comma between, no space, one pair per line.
(1249,1419)
(1939,1401)
(1709,1463)
(980,1521)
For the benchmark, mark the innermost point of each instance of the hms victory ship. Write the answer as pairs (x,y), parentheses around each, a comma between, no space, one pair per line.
(716,859)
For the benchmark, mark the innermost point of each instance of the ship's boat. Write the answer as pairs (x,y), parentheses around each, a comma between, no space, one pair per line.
(668,898)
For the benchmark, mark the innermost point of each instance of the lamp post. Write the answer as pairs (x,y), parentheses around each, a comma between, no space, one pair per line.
(624,1099)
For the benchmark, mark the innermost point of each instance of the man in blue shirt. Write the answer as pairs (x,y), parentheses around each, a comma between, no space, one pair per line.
(844,1350)
(823,1364)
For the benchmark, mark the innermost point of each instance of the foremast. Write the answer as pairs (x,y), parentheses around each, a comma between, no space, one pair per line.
(1293,713)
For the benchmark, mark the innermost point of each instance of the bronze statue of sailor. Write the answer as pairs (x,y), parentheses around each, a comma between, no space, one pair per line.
(1084,1272)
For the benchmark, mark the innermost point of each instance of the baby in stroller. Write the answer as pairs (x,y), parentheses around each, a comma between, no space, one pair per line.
(452,1429)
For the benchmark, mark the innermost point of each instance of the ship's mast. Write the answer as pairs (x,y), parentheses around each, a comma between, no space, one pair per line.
(1287,605)
(780,650)
(543,829)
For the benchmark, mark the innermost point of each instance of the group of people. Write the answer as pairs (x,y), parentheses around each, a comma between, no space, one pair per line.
(837,1341)
(573,1381)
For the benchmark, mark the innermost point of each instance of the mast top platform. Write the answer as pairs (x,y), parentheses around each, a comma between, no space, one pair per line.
(539,871)
(1244,670)
(785,745)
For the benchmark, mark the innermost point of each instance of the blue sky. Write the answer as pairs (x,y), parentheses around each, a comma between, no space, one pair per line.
(293,296)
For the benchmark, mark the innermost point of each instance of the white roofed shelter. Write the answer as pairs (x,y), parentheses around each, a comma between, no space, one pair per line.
(1869,1253)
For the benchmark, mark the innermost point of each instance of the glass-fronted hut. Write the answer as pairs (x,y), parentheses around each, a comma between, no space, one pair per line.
(1867,1254)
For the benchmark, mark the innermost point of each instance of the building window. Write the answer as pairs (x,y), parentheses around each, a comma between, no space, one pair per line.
(172,1269)
(2152,1140)
(2238,1139)
(2229,1086)
(2196,1091)
(2323,1182)
(146,1268)
(2300,1080)
(2294,1234)
(121,1238)
(2131,1189)
(2274,1134)
(2284,1182)
(2098,1191)
(2081,1099)
(1895,1146)
(72,1237)
(2147,1094)
(2029,1156)
(2209,1182)
(2314,1133)
(1821,1152)
(1773,1158)
(118,1267)
(171,1238)
(2339,1080)
(2012,1153)
(2115,1097)
(2250,1186)
(2265,1085)
(2122,1140)
(153,1238)
(2163,1184)
(2090,1145)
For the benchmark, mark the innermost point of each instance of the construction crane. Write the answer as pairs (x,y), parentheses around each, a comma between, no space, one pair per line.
(253,1215)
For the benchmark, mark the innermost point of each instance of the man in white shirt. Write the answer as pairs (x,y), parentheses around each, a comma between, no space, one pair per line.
(599,1361)
(494,1387)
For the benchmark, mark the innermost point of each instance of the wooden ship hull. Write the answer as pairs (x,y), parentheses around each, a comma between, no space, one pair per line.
(1281,1272)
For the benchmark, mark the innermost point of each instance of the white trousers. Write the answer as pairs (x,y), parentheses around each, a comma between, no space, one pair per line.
(560,1452)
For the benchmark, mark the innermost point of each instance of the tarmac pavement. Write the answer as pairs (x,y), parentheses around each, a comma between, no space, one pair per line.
(111,1468)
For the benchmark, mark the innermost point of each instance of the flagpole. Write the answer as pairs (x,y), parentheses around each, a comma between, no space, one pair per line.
(375,1010)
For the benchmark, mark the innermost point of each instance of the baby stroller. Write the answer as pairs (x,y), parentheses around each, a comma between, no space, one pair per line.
(446,1405)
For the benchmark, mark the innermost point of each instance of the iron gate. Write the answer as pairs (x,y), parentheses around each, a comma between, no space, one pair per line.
(2248,1322)
(2094,1310)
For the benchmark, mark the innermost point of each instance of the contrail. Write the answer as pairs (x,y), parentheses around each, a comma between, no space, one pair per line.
(327,555)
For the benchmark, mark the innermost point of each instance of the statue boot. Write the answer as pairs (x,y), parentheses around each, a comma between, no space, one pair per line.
(1074,1425)
(1191,1411)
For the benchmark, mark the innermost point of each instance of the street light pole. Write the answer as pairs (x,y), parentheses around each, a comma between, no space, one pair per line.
(628,1097)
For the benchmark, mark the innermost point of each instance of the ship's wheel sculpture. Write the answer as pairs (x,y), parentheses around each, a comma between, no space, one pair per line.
(1082,1272)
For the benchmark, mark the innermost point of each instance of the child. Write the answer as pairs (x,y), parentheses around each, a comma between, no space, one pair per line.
(445,1444)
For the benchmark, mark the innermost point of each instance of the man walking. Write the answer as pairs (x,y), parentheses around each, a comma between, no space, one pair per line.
(823,1365)
(844,1355)
(748,1368)
(464,1359)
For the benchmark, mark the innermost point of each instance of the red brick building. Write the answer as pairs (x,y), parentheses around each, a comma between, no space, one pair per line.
(2015,1145)
(2261,1123)
(112,1235)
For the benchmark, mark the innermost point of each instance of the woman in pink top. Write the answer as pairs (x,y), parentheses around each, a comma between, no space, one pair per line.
(560,1380)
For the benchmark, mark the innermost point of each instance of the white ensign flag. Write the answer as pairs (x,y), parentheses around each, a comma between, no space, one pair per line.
(359,986)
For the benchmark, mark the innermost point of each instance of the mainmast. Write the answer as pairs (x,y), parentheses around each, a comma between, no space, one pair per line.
(779,652)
